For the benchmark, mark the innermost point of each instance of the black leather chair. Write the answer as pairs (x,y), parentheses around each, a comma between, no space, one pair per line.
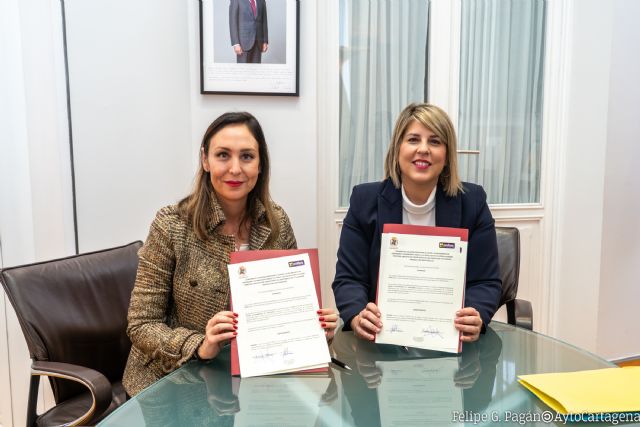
(73,314)
(519,312)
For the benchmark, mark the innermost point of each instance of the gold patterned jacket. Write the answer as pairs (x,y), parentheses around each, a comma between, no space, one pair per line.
(182,281)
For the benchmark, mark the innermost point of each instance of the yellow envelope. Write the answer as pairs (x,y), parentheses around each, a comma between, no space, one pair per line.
(600,390)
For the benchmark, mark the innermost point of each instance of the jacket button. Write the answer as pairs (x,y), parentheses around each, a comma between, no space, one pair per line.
(193,282)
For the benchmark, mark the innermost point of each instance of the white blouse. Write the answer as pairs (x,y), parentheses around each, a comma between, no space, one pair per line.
(419,214)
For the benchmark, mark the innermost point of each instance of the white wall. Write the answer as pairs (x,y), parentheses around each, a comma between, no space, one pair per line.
(129,83)
(289,124)
(582,187)
(620,267)
(35,214)
(138,117)
(597,256)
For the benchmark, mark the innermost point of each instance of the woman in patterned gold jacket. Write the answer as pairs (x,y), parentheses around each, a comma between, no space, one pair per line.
(179,306)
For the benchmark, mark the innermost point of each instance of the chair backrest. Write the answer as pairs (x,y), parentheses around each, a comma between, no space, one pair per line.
(509,259)
(74,310)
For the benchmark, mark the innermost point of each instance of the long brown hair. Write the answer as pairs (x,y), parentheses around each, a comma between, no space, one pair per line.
(196,206)
(437,121)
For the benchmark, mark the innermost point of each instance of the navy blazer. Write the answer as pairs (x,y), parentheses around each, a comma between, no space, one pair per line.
(374,204)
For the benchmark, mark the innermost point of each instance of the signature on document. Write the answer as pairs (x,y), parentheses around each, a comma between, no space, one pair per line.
(270,355)
(264,355)
(395,328)
(432,332)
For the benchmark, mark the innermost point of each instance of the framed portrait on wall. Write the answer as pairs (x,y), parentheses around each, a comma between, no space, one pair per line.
(249,47)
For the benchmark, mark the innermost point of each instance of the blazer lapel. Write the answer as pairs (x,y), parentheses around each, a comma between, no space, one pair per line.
(258,236)
(389,205)
(259,230)
(448,209)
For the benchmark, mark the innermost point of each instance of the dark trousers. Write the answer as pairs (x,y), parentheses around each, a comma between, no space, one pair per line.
(252,56)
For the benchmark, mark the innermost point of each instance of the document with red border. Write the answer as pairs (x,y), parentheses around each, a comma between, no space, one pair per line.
(284,328)
(421,286)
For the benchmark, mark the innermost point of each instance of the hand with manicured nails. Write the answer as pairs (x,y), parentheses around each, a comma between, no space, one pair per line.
(219,330)
(367,323)
(328,319)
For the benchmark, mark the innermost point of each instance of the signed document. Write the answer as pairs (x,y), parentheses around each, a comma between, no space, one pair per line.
(278,328)
(421,286)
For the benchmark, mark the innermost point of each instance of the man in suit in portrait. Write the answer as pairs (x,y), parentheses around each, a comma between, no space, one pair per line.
(248,27)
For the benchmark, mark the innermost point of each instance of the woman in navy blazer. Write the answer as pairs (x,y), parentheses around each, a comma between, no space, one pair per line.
(420,168)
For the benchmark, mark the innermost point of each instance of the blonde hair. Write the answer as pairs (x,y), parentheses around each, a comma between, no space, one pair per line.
(437,121)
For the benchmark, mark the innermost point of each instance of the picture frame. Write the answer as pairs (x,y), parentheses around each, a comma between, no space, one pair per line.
(249,47)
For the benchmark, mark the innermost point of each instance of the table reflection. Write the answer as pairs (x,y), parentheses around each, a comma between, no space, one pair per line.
(397,386)
(206,394)
(388,385)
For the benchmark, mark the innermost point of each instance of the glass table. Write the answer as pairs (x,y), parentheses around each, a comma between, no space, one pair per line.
(387,385)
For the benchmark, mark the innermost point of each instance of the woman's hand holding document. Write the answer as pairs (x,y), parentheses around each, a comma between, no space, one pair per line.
(277,305)
(421,285)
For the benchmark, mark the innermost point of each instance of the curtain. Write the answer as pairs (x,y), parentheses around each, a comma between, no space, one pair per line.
(501,87)
(383,67)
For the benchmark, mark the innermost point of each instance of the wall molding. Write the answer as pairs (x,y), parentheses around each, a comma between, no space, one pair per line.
(444,48)
(327,91)
(72,168)
(555,131)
